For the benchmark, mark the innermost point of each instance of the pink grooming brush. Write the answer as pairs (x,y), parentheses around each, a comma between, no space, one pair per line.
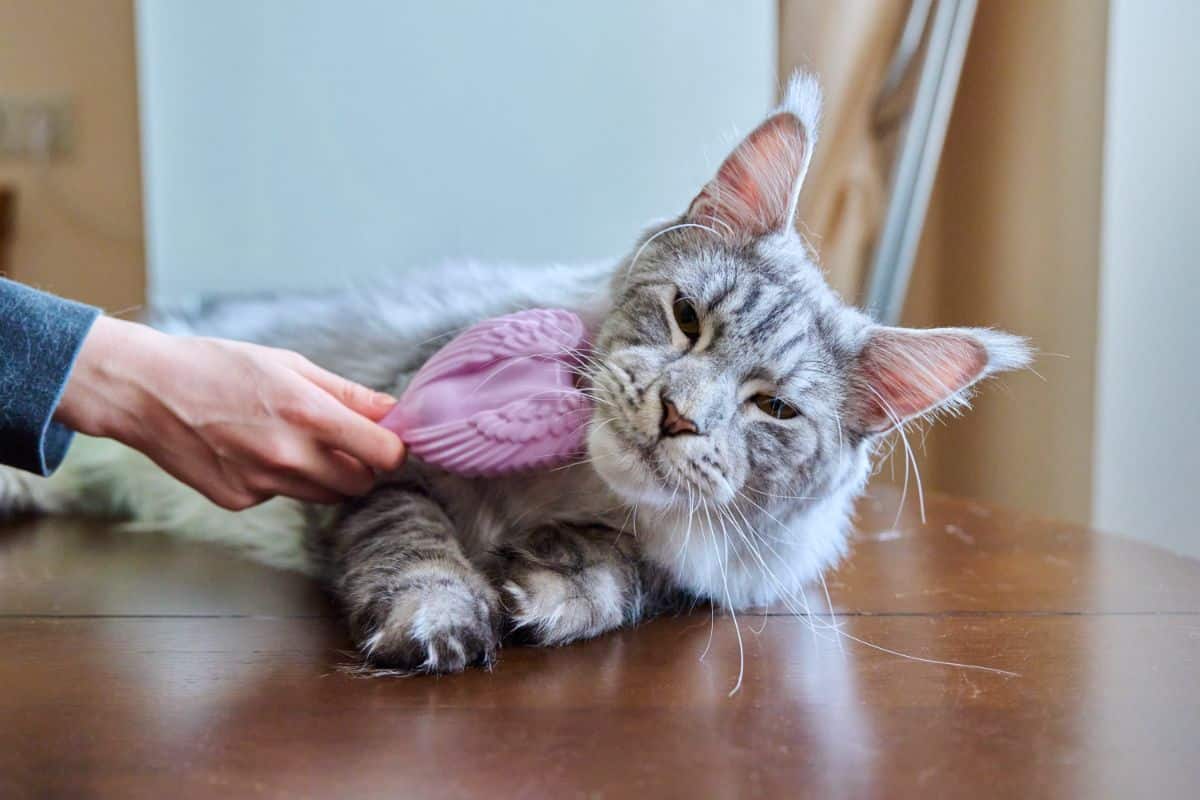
(499,398)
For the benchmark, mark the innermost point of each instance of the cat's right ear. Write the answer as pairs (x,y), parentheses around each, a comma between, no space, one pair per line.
(757,188)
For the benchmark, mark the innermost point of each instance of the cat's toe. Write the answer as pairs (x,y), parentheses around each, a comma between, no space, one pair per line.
(439,631)
(546,607)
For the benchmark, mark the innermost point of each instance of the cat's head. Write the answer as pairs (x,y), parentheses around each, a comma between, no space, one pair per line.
(731,369)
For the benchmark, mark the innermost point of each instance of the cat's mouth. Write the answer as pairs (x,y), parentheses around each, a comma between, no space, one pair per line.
(659,471)
(631,451)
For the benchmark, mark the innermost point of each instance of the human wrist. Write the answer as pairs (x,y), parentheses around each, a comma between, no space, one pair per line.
(106,393)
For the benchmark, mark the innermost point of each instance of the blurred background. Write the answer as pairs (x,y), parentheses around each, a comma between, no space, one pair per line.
(158,152)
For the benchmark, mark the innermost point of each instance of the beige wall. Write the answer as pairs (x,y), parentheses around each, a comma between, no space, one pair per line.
(1012,237)
(79,219)
(1013,241)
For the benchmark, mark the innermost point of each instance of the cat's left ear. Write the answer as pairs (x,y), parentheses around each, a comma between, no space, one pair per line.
(902,374)
(756,190)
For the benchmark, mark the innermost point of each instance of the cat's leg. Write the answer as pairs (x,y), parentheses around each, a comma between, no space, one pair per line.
(413,599)
(562,582)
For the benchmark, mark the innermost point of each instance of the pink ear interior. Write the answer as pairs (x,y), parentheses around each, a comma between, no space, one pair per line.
(754,191)
(903,374)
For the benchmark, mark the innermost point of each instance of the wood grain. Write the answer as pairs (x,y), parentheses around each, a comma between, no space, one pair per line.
(134,666)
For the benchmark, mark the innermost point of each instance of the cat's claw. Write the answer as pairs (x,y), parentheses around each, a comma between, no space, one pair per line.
(436,633)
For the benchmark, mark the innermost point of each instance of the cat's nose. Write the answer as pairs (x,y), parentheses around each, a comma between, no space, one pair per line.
(673,423)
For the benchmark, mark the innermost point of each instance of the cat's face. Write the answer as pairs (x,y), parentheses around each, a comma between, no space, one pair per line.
(724,360)
(729,372)
(724,372)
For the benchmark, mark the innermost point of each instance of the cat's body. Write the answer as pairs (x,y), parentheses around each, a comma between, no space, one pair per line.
(738,403)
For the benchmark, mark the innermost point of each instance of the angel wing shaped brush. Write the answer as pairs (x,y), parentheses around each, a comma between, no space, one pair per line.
(501,397)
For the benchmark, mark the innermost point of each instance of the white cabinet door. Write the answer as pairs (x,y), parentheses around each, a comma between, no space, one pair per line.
(303,143)
(1147,427)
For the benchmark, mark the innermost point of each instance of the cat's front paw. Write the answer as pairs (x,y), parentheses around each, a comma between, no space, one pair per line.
(441,625)
(547,607)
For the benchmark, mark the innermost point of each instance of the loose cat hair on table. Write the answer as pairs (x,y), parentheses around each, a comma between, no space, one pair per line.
(738,403)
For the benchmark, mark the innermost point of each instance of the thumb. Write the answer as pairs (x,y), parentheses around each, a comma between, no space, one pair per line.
(354,396)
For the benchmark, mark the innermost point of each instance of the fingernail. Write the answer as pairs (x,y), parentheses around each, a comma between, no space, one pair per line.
(385,399)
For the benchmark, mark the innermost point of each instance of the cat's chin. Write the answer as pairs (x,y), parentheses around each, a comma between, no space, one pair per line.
(625,472)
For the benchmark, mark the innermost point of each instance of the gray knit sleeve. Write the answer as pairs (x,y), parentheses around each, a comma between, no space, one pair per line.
(40,336)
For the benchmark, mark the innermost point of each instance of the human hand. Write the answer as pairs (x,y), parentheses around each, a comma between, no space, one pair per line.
(238,422)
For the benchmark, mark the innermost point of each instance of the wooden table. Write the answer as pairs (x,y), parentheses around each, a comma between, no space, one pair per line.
(132,666)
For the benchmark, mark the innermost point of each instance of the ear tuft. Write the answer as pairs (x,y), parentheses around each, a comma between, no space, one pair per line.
(803,100)
(903,374)
(1006,352)
(756,190)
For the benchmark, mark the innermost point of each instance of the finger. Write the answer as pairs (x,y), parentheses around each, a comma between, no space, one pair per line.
(354,396)
(337,472)
(208,482)
(360,438)
(298,488)
(198,468)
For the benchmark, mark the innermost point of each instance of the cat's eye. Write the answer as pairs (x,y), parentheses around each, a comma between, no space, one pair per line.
(686,318)
(775,406)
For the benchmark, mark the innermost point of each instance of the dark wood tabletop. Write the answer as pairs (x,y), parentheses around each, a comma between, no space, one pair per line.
(134,666)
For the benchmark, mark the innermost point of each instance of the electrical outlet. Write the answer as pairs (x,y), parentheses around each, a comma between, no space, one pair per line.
(35,127)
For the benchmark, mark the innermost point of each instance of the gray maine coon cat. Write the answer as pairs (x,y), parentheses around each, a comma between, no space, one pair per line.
(738,404)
